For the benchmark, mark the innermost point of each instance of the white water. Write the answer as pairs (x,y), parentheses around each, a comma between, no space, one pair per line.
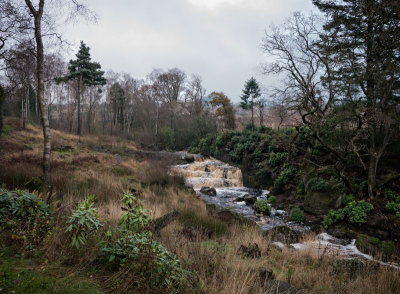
(228,183)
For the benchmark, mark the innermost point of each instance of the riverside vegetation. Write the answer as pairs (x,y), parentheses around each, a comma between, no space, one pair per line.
(80,243)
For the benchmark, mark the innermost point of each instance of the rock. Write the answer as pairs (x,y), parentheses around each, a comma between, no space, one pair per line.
(353,267)
(251,251)
(283,234)
(279,287)
(239,199)
(188,158)
(319,203)
(250,199)
(229,216)
(208,191)
(265,275)
(278,245)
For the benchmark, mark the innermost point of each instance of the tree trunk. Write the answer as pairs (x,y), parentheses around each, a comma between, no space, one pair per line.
(2,97)
(37,14)
(79,130)
(372,167)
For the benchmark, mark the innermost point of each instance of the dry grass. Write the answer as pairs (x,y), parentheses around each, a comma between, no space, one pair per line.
(214,257)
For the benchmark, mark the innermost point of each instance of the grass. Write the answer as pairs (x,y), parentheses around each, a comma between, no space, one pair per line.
(56,268)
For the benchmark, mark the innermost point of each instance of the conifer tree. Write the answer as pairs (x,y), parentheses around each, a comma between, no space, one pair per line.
(251,93)
(85,73)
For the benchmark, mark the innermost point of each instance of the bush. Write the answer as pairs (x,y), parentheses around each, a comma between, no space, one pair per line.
(391,196)
(272,199)
(354,212)
(132,245)
(83,221)
(276,159)
(357,212)
(333,216)
(301,189)
(287,173)
(346,200)
(318,185)
(296,214)
(261,206)
(26,212)
(388,247)
(393,207)
(166,138)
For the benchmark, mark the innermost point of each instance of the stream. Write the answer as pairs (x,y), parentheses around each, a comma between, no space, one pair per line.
(230,194)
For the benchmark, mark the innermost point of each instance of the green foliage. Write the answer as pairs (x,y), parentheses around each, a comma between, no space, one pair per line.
(333,217)
(261,206)
(301,190)
(272,199)
(82,222)
(347,199)
(296,214)
(166,138)
(131,245)
(318,185)
(276,159)
(7,129)
(393,207)
(354,212)
(287,173)
(391,196)
(373,240)
(206,145)
(26,212)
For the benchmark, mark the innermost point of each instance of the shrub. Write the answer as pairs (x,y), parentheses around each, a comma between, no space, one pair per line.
(276,159)
(318,185)
(206,145)
(272,199)
(393,207)
(357,212)
(261,206)
(287,173)
(392,196)
(354,212)
(132,245)
(301,189)
(333,216)
(166,138)
(296,214)
(26,212)
(83,221)
(388,247)
(346,200)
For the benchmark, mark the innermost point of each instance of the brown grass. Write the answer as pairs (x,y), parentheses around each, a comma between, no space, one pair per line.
(219,268)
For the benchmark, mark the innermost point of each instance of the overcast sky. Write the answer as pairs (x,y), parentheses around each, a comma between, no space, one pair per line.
(216,39)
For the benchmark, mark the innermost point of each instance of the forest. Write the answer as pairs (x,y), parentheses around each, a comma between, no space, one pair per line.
(90,201)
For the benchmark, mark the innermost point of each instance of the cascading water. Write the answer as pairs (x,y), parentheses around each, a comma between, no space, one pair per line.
(230,193)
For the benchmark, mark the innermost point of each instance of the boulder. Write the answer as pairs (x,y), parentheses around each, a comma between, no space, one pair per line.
(319,203)
(283,234)
(251,251)
(208,191)
(279,287)
(250,199)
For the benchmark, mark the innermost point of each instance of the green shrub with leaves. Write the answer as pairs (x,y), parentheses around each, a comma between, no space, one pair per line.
(261,206)
(26,212)
(354,212)
(131,245)
(333,217)
(276,159)
(272,199)
(391,196)
(347,199)
(296,214)
(393,207)
(287,174)
(83,221)
(318,185)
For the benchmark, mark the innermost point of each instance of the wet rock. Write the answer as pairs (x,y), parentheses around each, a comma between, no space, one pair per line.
(239,199)
(188,158)
(250,199)
(251,251)
(283,234)
(279,287)
(208,191)
(320,203)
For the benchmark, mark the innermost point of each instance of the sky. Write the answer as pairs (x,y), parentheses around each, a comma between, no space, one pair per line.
(218,40)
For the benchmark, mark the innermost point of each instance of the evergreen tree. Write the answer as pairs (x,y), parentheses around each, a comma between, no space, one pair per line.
(85,73)
(117,99)
(250,96)
(364,36)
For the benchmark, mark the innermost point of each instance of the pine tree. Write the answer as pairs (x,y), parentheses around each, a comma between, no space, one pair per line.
(250,96)
(85,73)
